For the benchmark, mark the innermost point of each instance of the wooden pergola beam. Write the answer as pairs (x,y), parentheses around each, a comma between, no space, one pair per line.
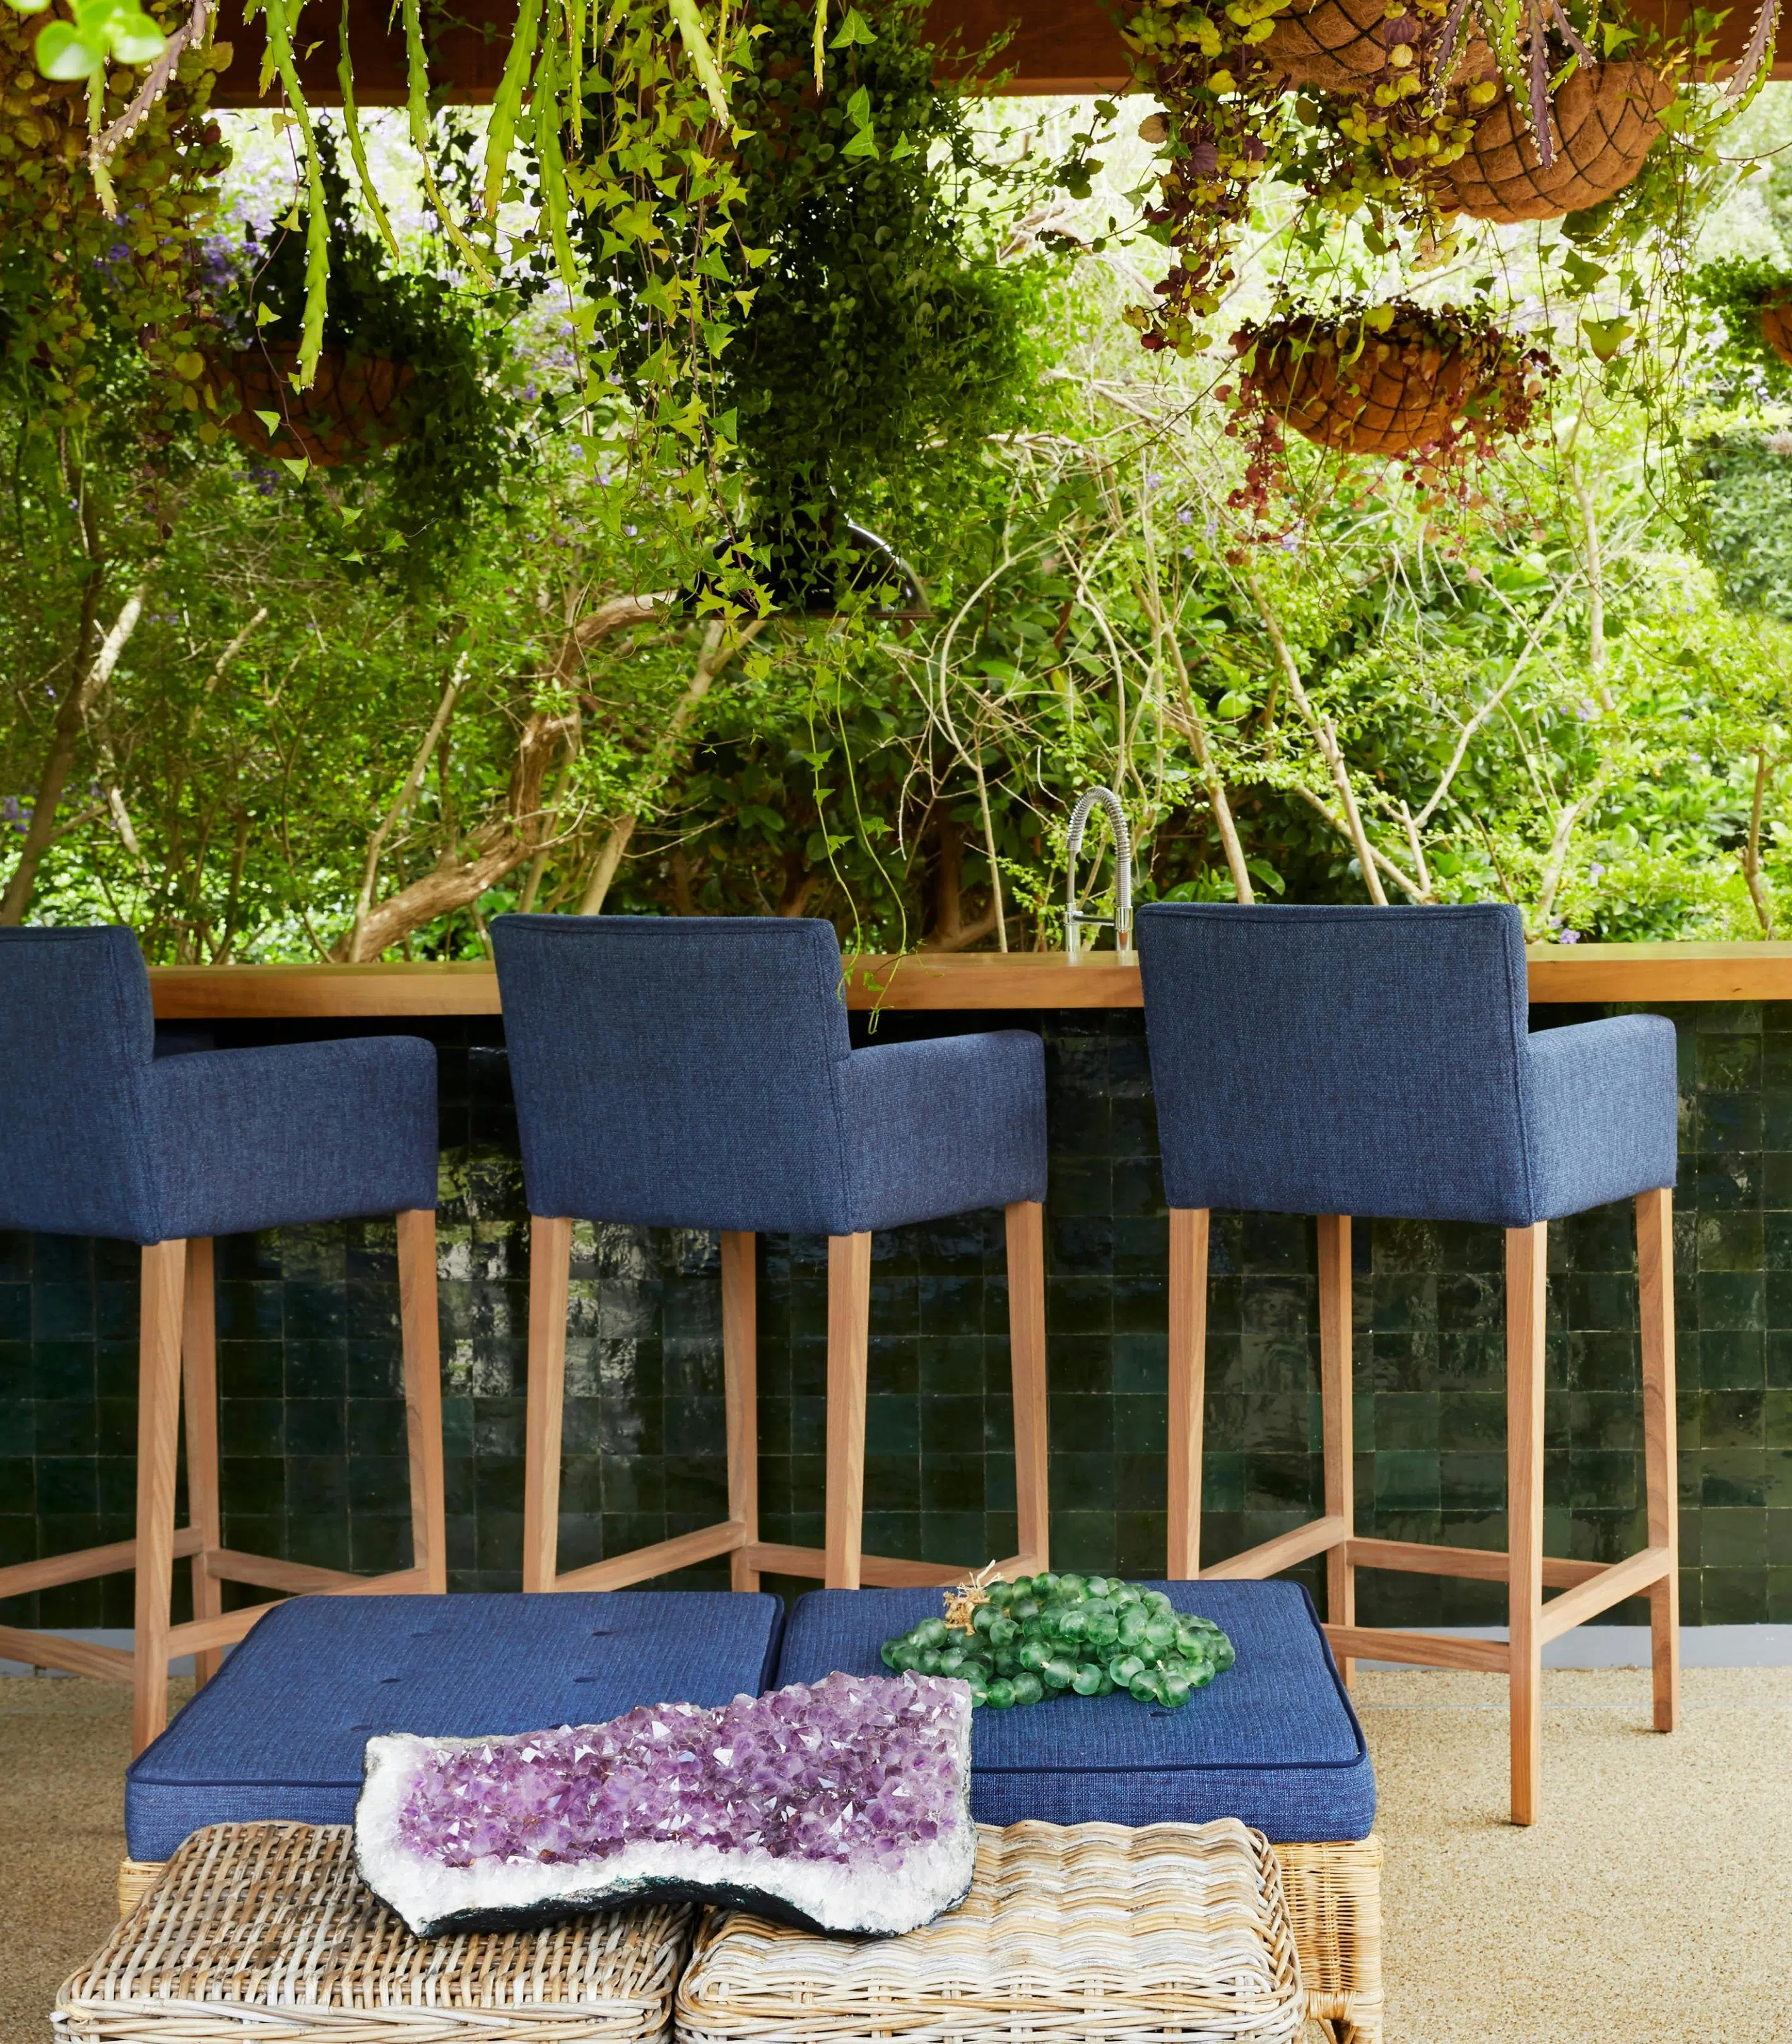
(1058,46)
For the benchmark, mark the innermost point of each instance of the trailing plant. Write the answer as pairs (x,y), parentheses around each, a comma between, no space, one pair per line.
(884,342)
(424,412)
(106,189)
(1437,389)
(1752,297)
(1208,69)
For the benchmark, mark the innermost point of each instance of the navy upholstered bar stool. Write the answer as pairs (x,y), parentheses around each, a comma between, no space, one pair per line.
(102,1138)
(1377,1061)
(695,1072)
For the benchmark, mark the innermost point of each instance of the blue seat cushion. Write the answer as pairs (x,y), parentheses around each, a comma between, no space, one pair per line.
(278,1733)
(1273,1741)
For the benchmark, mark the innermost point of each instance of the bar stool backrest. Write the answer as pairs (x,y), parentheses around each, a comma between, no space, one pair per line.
(1340,1060)
(678,1071)
(77,1039)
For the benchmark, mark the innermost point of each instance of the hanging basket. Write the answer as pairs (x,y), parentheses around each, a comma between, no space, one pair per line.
(1605,121)
(1335,45)
(1776,328)
(1390,400)
(1400,382)
(350,411)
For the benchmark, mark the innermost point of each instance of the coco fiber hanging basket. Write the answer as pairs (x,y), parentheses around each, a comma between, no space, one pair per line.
(351,410)
(1398,381)
(1604,122)
(1776,328)
(1336,45)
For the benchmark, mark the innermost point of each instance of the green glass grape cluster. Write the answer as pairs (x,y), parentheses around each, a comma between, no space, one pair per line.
(1053,1635)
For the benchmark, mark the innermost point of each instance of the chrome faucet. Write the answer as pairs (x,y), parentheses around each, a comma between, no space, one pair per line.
(1120,921)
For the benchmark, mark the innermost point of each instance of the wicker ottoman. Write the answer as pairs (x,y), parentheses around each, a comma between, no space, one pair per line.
(1274,1742)
(1082,1932)
(264,1931)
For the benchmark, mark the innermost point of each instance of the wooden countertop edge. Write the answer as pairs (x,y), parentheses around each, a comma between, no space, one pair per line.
(1592,973)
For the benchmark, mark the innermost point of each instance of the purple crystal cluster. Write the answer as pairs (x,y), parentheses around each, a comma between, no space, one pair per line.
(854,1768)
(842,1804)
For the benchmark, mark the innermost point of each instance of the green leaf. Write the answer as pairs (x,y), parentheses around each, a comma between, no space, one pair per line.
(855,28)
(272,421)
(28,6)
(135,38)
(299,467)
(264,313)
(63,52)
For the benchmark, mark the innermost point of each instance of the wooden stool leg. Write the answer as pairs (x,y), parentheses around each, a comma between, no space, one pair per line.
(420,1332)
(1026,1348)
(740,1364)
(1655,1271)
(1335,1407)
(849,1326)
(158,1438)
(1188,1386)
(198,1357)
(550,1276)
(1526,1257)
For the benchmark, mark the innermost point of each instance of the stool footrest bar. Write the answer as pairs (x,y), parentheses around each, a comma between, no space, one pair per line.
(1487,1565)
(683,1551)
(74,1656)
(22,1578)
(1611,1585)
(886,1572)
(266,1572)
(1420,1650)
(1283,1552)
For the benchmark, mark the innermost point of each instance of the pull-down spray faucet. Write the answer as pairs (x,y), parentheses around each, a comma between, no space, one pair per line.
(1120,921)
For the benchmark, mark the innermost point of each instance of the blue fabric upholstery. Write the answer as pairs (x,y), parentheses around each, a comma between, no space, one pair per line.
(280,1733)
(695,1072)
(1274,1741)
(102,1137)
(1377,1062)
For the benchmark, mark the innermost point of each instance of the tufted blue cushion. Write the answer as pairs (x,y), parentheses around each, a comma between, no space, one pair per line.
(1274,1741)
(101,1136)
(695,1072)
(280,1733)
(1377,1062)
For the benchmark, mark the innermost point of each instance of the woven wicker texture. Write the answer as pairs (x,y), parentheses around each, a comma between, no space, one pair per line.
(259,1931)
(1776,330)
(347,413)
(1334,1897)
(1085,1932)
(1605,121)
(1332,44)
(1385,402)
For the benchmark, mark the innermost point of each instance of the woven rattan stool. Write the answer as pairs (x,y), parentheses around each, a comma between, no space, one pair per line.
(1082,1930)
(259,1931)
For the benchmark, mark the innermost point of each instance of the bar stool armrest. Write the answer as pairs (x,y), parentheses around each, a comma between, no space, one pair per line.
(1602,1113)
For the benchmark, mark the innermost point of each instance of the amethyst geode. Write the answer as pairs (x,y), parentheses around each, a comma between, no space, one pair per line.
(841,1806)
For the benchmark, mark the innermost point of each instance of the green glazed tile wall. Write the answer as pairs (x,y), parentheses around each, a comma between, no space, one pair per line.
(311,1430)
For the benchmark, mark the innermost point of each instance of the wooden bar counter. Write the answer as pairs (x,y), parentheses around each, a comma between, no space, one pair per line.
(1591,973)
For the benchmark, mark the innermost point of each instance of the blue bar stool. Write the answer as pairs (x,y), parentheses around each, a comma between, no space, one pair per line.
(102,1138)
(695,1072)
(1377,1061)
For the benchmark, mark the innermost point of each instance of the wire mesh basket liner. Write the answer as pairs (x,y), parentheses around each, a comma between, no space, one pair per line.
(349,412)
(1335,45)
(264,1931)
(1604,122)
(1083,1932)
(1390,400)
